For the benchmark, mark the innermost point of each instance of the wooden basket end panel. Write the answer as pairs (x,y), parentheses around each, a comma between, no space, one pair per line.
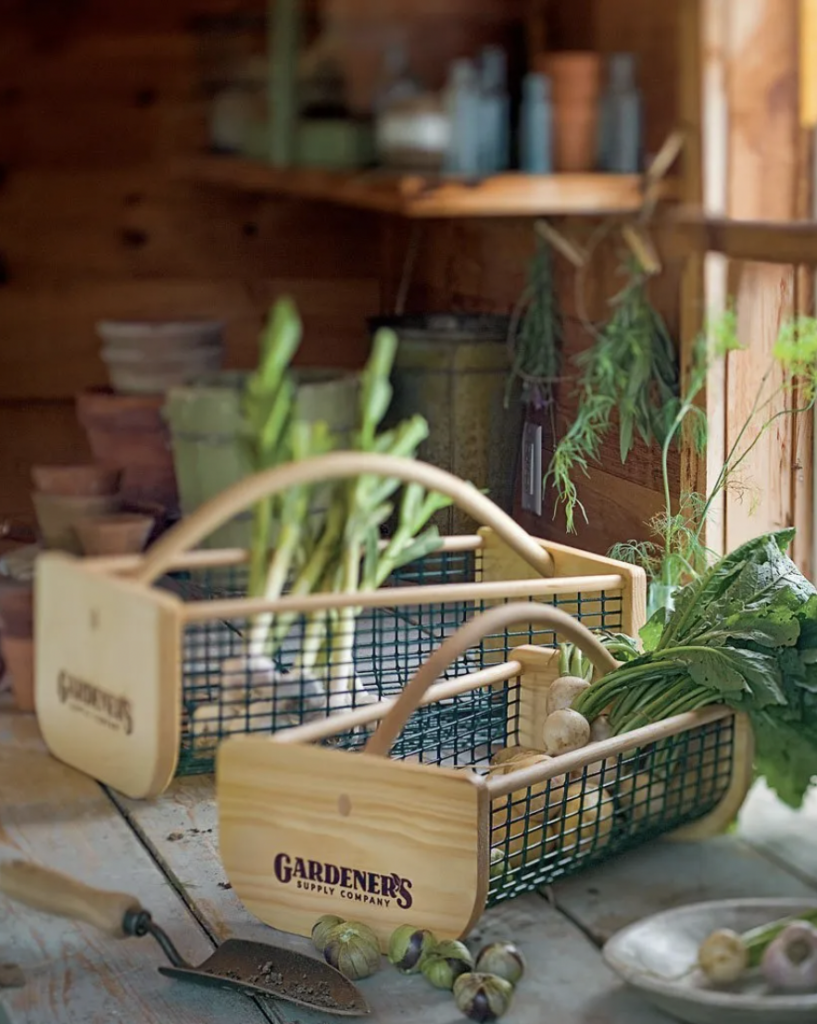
(742,777)
(627,604)
(527,714)
(107,664)
(306,831)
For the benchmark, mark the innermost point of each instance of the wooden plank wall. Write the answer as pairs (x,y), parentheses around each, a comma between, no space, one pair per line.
(96,100)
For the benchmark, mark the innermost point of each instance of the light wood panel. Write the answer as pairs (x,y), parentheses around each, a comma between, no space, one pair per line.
(107,688)
(416,825)
(762,77)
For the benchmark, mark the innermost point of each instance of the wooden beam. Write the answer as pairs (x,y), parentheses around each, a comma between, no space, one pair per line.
(684,232)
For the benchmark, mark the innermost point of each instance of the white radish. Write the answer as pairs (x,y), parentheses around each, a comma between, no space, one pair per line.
(296,693)
(564,731)
(248,672)
(563,691)
(600,729)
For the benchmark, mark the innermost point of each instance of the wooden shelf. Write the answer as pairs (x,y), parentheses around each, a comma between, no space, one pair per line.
(507,195)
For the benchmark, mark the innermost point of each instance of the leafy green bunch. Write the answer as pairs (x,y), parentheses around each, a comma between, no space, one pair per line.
(744,633)
(339,549)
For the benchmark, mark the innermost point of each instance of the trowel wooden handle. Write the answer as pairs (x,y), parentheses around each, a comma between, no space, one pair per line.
(53,893)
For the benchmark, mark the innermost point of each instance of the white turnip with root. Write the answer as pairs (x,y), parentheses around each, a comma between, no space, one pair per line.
(586,817)
(563,691)
(564,731)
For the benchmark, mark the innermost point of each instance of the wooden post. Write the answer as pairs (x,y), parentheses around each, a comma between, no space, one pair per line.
(704,117)
(762,88)
(803,476)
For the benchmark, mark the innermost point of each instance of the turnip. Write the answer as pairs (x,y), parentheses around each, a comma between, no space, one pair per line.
(563,691)
(642,796)
(564,731)
(790,961)
(518,820)
(600,729)
(511,753)
(587,817)
(210,722)
(724,956)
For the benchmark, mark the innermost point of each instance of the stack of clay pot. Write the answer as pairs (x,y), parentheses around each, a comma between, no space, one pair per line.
(146,357)
(17,640)
(124,423)
(79,510)
(576,84)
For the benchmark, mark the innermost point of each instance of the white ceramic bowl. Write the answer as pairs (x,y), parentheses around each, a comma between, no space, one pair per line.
(654,956)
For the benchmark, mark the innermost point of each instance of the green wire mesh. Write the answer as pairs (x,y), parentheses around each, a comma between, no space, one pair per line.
(547,832)
(390,644)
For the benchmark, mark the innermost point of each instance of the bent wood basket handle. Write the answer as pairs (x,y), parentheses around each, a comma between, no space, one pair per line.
(469,635)
(42,889)
(336,466)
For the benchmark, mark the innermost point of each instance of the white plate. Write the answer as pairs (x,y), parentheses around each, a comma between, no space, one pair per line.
(654,956)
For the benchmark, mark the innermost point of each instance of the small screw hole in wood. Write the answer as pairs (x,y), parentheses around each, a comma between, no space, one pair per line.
(344,806)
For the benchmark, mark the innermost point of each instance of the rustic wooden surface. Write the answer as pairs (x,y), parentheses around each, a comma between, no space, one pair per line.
(166,852)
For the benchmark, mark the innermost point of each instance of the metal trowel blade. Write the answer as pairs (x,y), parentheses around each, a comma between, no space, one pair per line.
(257,969)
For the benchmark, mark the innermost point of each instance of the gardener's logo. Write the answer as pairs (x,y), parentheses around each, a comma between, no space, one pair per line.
(106,708)
(351,884)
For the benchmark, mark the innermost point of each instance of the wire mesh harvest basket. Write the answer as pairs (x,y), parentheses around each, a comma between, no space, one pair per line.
(444,827)
(140,671)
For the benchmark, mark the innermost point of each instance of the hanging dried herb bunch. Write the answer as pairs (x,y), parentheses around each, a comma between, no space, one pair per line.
(632,369)
(537,335)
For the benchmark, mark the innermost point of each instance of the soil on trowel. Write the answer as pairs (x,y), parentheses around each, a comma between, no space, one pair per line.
(318,994)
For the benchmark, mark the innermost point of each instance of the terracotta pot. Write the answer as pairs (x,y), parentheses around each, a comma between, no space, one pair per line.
(122,534)
(76,481)
(574,74)
(130,431)
(575,139)
(59,515)
(17,610)
(576,81)
(18,654)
